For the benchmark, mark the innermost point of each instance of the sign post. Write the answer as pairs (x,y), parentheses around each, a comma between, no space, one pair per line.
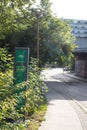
(21,72)
(21,64)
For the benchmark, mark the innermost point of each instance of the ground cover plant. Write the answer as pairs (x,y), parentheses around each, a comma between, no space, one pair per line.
(19,109)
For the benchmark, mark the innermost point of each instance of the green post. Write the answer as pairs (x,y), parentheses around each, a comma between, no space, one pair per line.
(21,64)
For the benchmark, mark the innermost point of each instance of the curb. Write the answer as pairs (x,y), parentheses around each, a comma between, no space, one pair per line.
(81,106)
(81,79)
(75,77)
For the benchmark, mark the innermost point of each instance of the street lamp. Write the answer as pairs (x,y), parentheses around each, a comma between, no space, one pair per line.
(38,14)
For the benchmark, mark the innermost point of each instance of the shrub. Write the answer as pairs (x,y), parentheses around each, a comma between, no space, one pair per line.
(27,96)
(6,60)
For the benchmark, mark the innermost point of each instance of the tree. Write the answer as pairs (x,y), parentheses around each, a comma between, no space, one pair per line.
(56,40)
(14,15)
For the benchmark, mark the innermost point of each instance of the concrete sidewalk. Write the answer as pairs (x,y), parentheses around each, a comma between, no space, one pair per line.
(60,115)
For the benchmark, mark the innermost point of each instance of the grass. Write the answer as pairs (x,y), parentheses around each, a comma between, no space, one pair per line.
(37,117)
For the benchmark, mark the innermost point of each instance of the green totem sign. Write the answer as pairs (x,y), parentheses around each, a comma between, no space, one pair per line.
(21,64)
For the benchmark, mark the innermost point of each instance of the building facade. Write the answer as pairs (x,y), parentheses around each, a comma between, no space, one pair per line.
(79,30)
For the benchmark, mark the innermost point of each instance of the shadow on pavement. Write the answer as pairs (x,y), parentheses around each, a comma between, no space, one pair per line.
(71,89)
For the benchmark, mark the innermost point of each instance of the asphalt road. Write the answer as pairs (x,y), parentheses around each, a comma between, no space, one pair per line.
(74,90)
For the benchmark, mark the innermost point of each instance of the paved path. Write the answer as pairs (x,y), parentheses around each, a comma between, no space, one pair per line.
(60,115)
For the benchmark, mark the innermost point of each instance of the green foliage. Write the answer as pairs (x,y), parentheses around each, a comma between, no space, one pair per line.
(13,15)
(34,89)
(19,28)
(6,60)
(46,6)
(32,92)
(56,41)
(7,100)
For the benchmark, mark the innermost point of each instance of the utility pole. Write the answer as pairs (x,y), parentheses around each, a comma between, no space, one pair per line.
(38,14)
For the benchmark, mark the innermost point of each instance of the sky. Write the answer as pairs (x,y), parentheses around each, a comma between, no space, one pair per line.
(72,9)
